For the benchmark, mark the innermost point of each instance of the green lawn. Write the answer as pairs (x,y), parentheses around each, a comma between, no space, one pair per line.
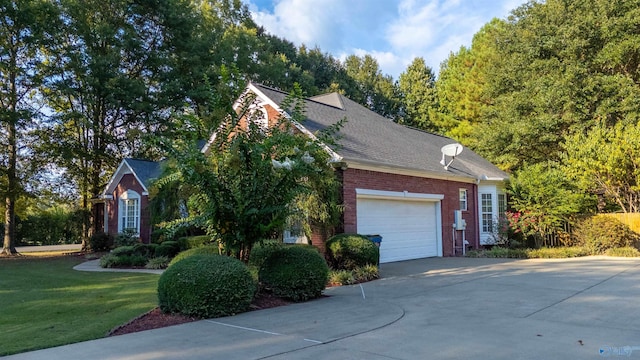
(45,303)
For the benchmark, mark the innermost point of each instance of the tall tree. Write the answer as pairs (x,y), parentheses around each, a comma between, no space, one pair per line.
(372,89)
(461,84)
(23,38)
(107,91)
(606,161)
(416,86)
(562,67)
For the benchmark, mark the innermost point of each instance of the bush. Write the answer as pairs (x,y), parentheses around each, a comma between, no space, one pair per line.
(100,242)
(206,286)
(161,262)
(122,250)
(263,251)
(146,250)
(295,272)
(190,242)
(109,261)
(355,276)
(349,251)
(205,250)
(115,261)
(341,277)
(127,237)
(623,252)
(600,233)
(558,252)
(168,249)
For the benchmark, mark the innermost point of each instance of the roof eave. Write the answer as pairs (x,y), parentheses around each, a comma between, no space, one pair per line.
(375,166)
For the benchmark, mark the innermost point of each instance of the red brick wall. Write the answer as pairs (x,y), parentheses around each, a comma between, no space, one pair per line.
(373,180)
(129,182)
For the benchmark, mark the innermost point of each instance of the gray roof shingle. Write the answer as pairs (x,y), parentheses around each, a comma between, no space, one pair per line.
(373,139)
(147,171)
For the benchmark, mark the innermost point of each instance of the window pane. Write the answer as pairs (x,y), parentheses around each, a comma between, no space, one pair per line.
(463,199)
(487,213)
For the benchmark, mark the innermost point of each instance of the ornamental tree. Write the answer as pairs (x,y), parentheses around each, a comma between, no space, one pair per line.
(246,186)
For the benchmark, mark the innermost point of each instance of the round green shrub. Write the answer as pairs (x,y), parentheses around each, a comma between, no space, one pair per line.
(206,286)
(350,251)
(294,272)
(600,233)
(205,250)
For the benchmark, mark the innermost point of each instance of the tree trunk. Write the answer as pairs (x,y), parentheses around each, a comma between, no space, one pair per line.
(8,247)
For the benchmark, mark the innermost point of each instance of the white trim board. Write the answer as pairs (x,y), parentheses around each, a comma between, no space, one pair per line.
(397,195)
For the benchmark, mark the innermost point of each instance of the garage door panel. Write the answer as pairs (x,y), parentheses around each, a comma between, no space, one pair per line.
(408,228)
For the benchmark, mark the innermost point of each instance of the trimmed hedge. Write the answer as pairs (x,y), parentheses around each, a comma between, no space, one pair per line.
(294,272)
(600,233)
(350,251)
(206,286)
(205,250)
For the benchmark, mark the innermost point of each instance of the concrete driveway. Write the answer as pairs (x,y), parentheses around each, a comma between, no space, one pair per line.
(441,308)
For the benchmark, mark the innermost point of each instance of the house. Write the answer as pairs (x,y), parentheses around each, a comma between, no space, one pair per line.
(124,202)
(393,181)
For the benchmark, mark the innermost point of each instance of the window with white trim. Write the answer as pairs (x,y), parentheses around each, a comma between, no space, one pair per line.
(463,199)
(487,213)
(502,204)
(129,211)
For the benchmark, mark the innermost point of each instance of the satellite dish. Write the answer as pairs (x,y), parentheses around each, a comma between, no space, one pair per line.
(450,150)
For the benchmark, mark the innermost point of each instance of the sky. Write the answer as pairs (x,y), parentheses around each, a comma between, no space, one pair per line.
(393,31)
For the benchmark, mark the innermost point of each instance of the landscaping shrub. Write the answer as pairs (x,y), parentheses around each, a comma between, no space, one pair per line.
(206,286)
(168,249)
(600,233)
(115,261)
(341,277)
(349,251)
(109,261)
(190,242)
(262,252)
(146,250)
(355,276)
(160,262)
(557,252)
(122,250)
(623,252)
(127,237)
(205,250)
(295,272)
(100,242)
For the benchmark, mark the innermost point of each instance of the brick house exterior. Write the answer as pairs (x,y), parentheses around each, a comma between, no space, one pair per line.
(394,182)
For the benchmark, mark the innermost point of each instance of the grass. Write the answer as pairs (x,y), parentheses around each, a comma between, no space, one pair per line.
(45,303)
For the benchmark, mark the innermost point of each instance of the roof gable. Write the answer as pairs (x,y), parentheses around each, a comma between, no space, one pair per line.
(144,171)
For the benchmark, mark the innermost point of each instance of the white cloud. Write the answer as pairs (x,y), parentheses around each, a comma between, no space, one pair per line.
(392,32)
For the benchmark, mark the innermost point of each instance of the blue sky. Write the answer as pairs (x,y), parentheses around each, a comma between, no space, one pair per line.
(393,31)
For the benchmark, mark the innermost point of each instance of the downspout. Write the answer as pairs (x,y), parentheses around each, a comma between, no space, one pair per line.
(475,210)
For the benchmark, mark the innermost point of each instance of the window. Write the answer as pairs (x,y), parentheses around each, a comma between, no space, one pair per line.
(502,204)
(487,213)
(129,211)
(463,199)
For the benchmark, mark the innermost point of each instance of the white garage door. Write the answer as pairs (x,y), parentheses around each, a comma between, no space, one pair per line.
(408,228)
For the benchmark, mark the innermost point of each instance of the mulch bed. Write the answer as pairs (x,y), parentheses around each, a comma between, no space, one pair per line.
(155,318)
